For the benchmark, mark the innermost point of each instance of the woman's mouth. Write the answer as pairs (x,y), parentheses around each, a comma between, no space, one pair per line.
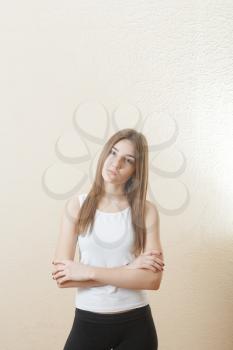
(112,172)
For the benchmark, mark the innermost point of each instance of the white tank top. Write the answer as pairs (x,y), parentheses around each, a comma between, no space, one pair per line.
(108,245)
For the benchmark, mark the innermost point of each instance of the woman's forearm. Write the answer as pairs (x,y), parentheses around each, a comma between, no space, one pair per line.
(123,277)
(82,284)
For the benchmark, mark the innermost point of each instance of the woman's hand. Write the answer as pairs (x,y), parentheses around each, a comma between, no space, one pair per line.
(67,270)
(148,260)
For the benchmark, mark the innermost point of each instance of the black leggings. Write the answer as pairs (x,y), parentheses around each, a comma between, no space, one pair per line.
(133,329)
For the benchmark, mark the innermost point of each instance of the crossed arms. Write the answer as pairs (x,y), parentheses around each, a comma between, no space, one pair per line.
(117,276)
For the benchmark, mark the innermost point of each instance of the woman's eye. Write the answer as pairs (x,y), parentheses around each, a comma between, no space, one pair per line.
(127,160)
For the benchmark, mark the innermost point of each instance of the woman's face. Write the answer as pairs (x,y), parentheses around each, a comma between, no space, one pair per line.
(120,163)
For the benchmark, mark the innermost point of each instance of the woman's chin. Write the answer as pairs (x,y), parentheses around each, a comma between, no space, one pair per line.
(108,179)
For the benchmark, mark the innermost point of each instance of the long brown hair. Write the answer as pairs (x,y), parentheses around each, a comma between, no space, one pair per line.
(135,188)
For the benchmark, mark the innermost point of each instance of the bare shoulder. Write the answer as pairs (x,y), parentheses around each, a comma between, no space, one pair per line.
(152,218)
(75,201)
(72,206)
(152,213)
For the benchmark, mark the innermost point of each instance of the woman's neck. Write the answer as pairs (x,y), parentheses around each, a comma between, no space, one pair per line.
(114,201)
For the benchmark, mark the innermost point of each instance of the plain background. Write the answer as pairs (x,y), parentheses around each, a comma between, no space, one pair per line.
(171,61)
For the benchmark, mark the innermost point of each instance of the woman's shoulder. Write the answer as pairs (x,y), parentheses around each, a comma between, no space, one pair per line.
(79,198)
(150,204)
(151,209)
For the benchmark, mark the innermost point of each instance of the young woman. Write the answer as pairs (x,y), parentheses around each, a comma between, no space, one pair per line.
(121,255)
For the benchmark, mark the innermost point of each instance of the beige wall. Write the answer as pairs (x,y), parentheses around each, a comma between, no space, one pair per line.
(169,60)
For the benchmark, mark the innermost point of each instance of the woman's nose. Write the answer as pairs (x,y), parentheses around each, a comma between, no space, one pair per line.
(116,163)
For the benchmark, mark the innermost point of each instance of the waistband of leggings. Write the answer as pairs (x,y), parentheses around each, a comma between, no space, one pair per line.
(129,315)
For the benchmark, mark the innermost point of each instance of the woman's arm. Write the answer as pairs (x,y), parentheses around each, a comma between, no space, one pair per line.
(119,276)
(82,284)
(67,241)
(123,277)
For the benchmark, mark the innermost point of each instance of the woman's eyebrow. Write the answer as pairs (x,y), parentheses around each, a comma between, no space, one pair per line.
(130,155)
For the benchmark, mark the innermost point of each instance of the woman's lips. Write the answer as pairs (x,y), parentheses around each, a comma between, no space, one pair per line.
(112,172)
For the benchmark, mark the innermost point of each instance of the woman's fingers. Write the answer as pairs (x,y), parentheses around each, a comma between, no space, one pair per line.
(157,260)
(55,274)
(59,275)
(154,263)
(58,270)
(55,262)
(148,266)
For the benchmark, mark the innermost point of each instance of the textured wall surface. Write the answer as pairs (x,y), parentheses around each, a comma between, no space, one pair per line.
(166,63)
